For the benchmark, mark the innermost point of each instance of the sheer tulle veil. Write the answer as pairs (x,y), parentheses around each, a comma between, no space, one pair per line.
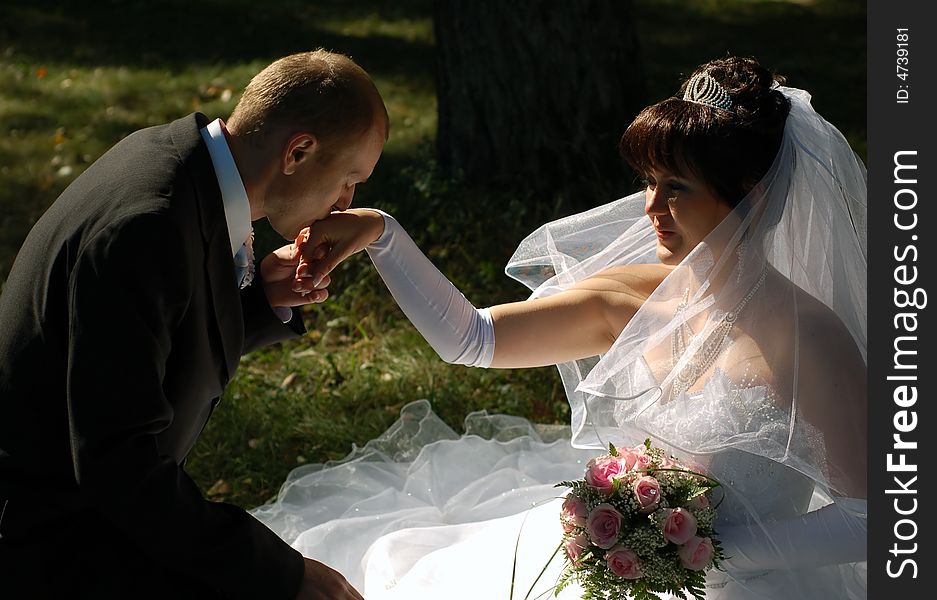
(755,342)
(803,224)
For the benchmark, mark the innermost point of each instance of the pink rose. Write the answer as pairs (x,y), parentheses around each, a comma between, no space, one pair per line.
(697,553)
(628,458)
(647,493)
(624,563)
(602,471)
(679,525)
(574,513)
(575,546)
(642,460)
(698,502)
(604,525)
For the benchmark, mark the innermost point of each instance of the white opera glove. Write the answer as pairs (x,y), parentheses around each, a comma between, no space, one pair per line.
(457,331)
(831,535)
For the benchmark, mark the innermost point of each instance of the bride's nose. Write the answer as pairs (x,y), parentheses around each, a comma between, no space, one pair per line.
(655,202)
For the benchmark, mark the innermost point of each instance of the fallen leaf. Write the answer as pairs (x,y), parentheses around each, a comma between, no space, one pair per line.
(220,488)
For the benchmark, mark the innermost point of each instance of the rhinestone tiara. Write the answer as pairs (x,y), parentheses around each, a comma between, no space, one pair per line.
(703,89)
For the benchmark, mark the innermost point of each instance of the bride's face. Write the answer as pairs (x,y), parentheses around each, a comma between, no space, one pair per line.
(683,211)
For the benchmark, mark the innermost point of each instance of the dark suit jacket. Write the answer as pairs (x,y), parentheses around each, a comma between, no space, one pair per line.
(120,325)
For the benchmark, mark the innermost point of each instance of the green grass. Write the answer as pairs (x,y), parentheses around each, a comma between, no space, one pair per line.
(73,82)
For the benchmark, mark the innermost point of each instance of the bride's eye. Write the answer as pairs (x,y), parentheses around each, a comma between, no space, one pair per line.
(648,183)
(673,190)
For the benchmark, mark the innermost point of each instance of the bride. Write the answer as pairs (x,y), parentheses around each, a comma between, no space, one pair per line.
(720,312)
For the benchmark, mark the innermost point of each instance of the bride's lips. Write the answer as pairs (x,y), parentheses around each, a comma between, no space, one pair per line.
(663,234)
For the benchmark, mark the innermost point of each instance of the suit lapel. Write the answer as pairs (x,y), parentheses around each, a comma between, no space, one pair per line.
(223,294)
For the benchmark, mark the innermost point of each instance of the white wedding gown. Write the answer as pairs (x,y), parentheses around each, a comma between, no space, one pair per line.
(421,512)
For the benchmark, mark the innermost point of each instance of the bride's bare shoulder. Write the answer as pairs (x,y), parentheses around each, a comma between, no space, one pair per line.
(802,319)
(632,280)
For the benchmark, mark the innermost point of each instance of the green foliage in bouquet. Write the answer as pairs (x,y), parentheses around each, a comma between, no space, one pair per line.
(639,524)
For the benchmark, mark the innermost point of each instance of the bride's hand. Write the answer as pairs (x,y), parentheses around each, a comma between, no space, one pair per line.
(278,271)
(330,241)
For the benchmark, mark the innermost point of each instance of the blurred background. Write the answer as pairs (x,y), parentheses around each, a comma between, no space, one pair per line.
(504,115)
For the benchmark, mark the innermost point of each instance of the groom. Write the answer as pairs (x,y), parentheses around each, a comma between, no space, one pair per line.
(124,317)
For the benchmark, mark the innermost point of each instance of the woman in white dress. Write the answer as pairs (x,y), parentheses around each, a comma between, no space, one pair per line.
(720,312)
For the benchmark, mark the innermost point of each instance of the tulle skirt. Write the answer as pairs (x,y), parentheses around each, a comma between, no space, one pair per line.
(422,512)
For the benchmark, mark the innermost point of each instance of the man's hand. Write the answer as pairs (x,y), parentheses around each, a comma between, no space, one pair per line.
(322,583)
(278,270)
(330,241)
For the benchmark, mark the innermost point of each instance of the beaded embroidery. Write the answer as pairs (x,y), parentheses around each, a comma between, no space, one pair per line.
(711,346)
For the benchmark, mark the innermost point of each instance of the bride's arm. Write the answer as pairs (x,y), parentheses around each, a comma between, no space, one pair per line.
(832,399)
(832,535)
(579,322)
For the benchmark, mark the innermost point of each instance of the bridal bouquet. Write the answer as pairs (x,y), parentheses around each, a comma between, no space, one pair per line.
(640,523)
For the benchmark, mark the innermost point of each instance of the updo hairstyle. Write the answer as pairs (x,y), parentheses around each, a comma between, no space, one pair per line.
(730,150)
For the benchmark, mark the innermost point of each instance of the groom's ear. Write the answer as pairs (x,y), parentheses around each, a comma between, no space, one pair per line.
(299,148)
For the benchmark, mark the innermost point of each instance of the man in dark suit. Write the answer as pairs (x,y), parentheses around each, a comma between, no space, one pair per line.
(124,317)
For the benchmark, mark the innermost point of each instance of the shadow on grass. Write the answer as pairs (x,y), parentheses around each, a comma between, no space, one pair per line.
(182,33)
(820,45)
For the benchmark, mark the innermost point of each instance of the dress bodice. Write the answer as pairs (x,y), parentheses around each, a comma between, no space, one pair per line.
(757,487)
(743,438)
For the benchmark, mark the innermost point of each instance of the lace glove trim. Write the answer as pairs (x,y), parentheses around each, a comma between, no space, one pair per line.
(457,331)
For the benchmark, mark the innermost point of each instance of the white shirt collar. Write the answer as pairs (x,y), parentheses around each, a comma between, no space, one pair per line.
(237,208)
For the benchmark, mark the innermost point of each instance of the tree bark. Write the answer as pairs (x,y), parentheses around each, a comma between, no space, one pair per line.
(534,94)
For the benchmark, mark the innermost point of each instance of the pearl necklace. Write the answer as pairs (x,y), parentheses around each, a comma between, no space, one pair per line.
(711,346)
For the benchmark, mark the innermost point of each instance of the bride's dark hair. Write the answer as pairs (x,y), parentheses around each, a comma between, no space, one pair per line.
(729,150)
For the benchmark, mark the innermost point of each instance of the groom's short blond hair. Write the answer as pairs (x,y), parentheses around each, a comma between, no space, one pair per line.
(320,92)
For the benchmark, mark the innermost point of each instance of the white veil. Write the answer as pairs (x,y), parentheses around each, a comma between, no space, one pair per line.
(755,342)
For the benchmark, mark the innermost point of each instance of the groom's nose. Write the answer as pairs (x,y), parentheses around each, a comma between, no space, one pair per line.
(344,201)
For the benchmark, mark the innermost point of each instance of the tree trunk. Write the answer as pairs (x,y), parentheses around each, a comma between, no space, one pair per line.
(534,95)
